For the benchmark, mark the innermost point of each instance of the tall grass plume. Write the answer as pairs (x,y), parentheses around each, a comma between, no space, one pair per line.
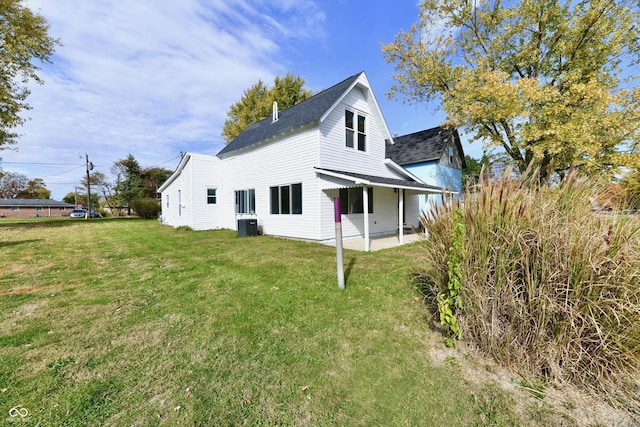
(551,288)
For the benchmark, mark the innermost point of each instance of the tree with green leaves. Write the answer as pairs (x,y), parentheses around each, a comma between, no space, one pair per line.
(81,199)
(257,103)
(24,38)
(128,184)
(36,189)
(152,179)
(544,80)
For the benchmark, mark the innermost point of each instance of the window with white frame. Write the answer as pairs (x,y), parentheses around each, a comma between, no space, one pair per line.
(246,201)
(15,208)
(212,197)
(39,208)
(286,199)
(355,130)
(351,201)
(450,155)
(167,200)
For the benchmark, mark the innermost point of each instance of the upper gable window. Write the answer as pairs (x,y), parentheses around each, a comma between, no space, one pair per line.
(355,124)
(450,155)
(348,123)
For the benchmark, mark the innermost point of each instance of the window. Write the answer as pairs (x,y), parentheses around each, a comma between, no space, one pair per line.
(246,201)
(167,200)
(351,200)
(15,208)
(62,208)
(286,199)
(348,123)
(211,196)
(38,208)
(450,155)
(350,130)
(362,137)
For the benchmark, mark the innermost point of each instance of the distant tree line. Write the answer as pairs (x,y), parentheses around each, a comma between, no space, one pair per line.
(130,183)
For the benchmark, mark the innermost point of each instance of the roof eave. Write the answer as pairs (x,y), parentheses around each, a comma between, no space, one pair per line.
(183,162)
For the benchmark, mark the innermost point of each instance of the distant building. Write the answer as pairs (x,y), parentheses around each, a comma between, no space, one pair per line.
(29,208)
(435,156)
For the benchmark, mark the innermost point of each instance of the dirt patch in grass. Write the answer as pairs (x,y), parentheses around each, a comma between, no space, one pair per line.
(33,289)
(555,404)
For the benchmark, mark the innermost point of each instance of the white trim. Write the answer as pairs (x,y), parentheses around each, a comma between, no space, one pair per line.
(176,174)
(393,165)
(362,181)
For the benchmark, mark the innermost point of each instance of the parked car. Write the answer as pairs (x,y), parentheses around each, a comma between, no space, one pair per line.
(78,213)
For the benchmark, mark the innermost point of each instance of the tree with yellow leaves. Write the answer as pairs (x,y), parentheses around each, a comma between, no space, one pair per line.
(549,82)
(257,103)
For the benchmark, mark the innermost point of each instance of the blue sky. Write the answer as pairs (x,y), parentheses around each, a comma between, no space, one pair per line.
(156,77)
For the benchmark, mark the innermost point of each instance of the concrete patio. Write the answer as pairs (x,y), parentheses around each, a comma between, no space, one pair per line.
(378,243)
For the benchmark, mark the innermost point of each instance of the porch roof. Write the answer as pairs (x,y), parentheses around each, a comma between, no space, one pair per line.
(379,181)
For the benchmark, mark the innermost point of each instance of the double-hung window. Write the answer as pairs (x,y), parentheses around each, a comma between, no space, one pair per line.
(351,200)
(286,199)
(246,201)
(212,197)
(355,130)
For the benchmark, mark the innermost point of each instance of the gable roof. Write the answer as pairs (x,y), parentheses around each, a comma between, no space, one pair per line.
(27,203)
(423,146)
(301,114)
(183,163)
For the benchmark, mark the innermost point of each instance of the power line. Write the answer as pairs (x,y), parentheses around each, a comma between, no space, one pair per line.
(43,163)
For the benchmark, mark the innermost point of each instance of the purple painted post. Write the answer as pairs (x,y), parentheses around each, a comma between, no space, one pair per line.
(337,216)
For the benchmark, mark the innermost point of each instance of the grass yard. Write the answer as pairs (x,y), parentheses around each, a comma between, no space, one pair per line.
(127,322)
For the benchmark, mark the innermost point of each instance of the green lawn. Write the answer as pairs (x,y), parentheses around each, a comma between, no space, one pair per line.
(127,322)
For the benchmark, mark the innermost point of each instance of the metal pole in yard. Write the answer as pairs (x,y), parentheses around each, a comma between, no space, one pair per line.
(89,168)
(337,215)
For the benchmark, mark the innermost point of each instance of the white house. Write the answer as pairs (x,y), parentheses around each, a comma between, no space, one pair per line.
(285,171)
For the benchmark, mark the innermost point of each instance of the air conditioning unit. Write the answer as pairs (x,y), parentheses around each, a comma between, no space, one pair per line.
(247,227)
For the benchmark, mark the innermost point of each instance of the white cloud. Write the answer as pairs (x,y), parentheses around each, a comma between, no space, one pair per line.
(150,77)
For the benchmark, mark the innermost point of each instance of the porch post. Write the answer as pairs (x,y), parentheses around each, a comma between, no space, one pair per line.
(365,208)
(401,215)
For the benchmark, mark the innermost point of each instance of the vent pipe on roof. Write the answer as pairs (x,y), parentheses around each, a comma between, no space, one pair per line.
(275,112)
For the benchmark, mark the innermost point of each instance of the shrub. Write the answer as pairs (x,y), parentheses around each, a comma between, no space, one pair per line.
(549,287)
(146,208)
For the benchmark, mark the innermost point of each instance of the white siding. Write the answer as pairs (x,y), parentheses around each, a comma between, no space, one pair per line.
(383,220)
(187,194)
(288,161)
(334,154)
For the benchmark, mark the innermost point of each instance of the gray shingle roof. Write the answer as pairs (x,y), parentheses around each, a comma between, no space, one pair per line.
(421,146)
(384,181)
(301,114)
(34,203)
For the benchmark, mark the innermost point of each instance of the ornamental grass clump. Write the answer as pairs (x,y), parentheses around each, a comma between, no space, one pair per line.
(549,287)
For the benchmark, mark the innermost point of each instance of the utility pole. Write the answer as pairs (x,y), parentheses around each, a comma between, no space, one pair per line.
(89,168)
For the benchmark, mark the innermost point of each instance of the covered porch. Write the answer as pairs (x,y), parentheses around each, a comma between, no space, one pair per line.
(351,180)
